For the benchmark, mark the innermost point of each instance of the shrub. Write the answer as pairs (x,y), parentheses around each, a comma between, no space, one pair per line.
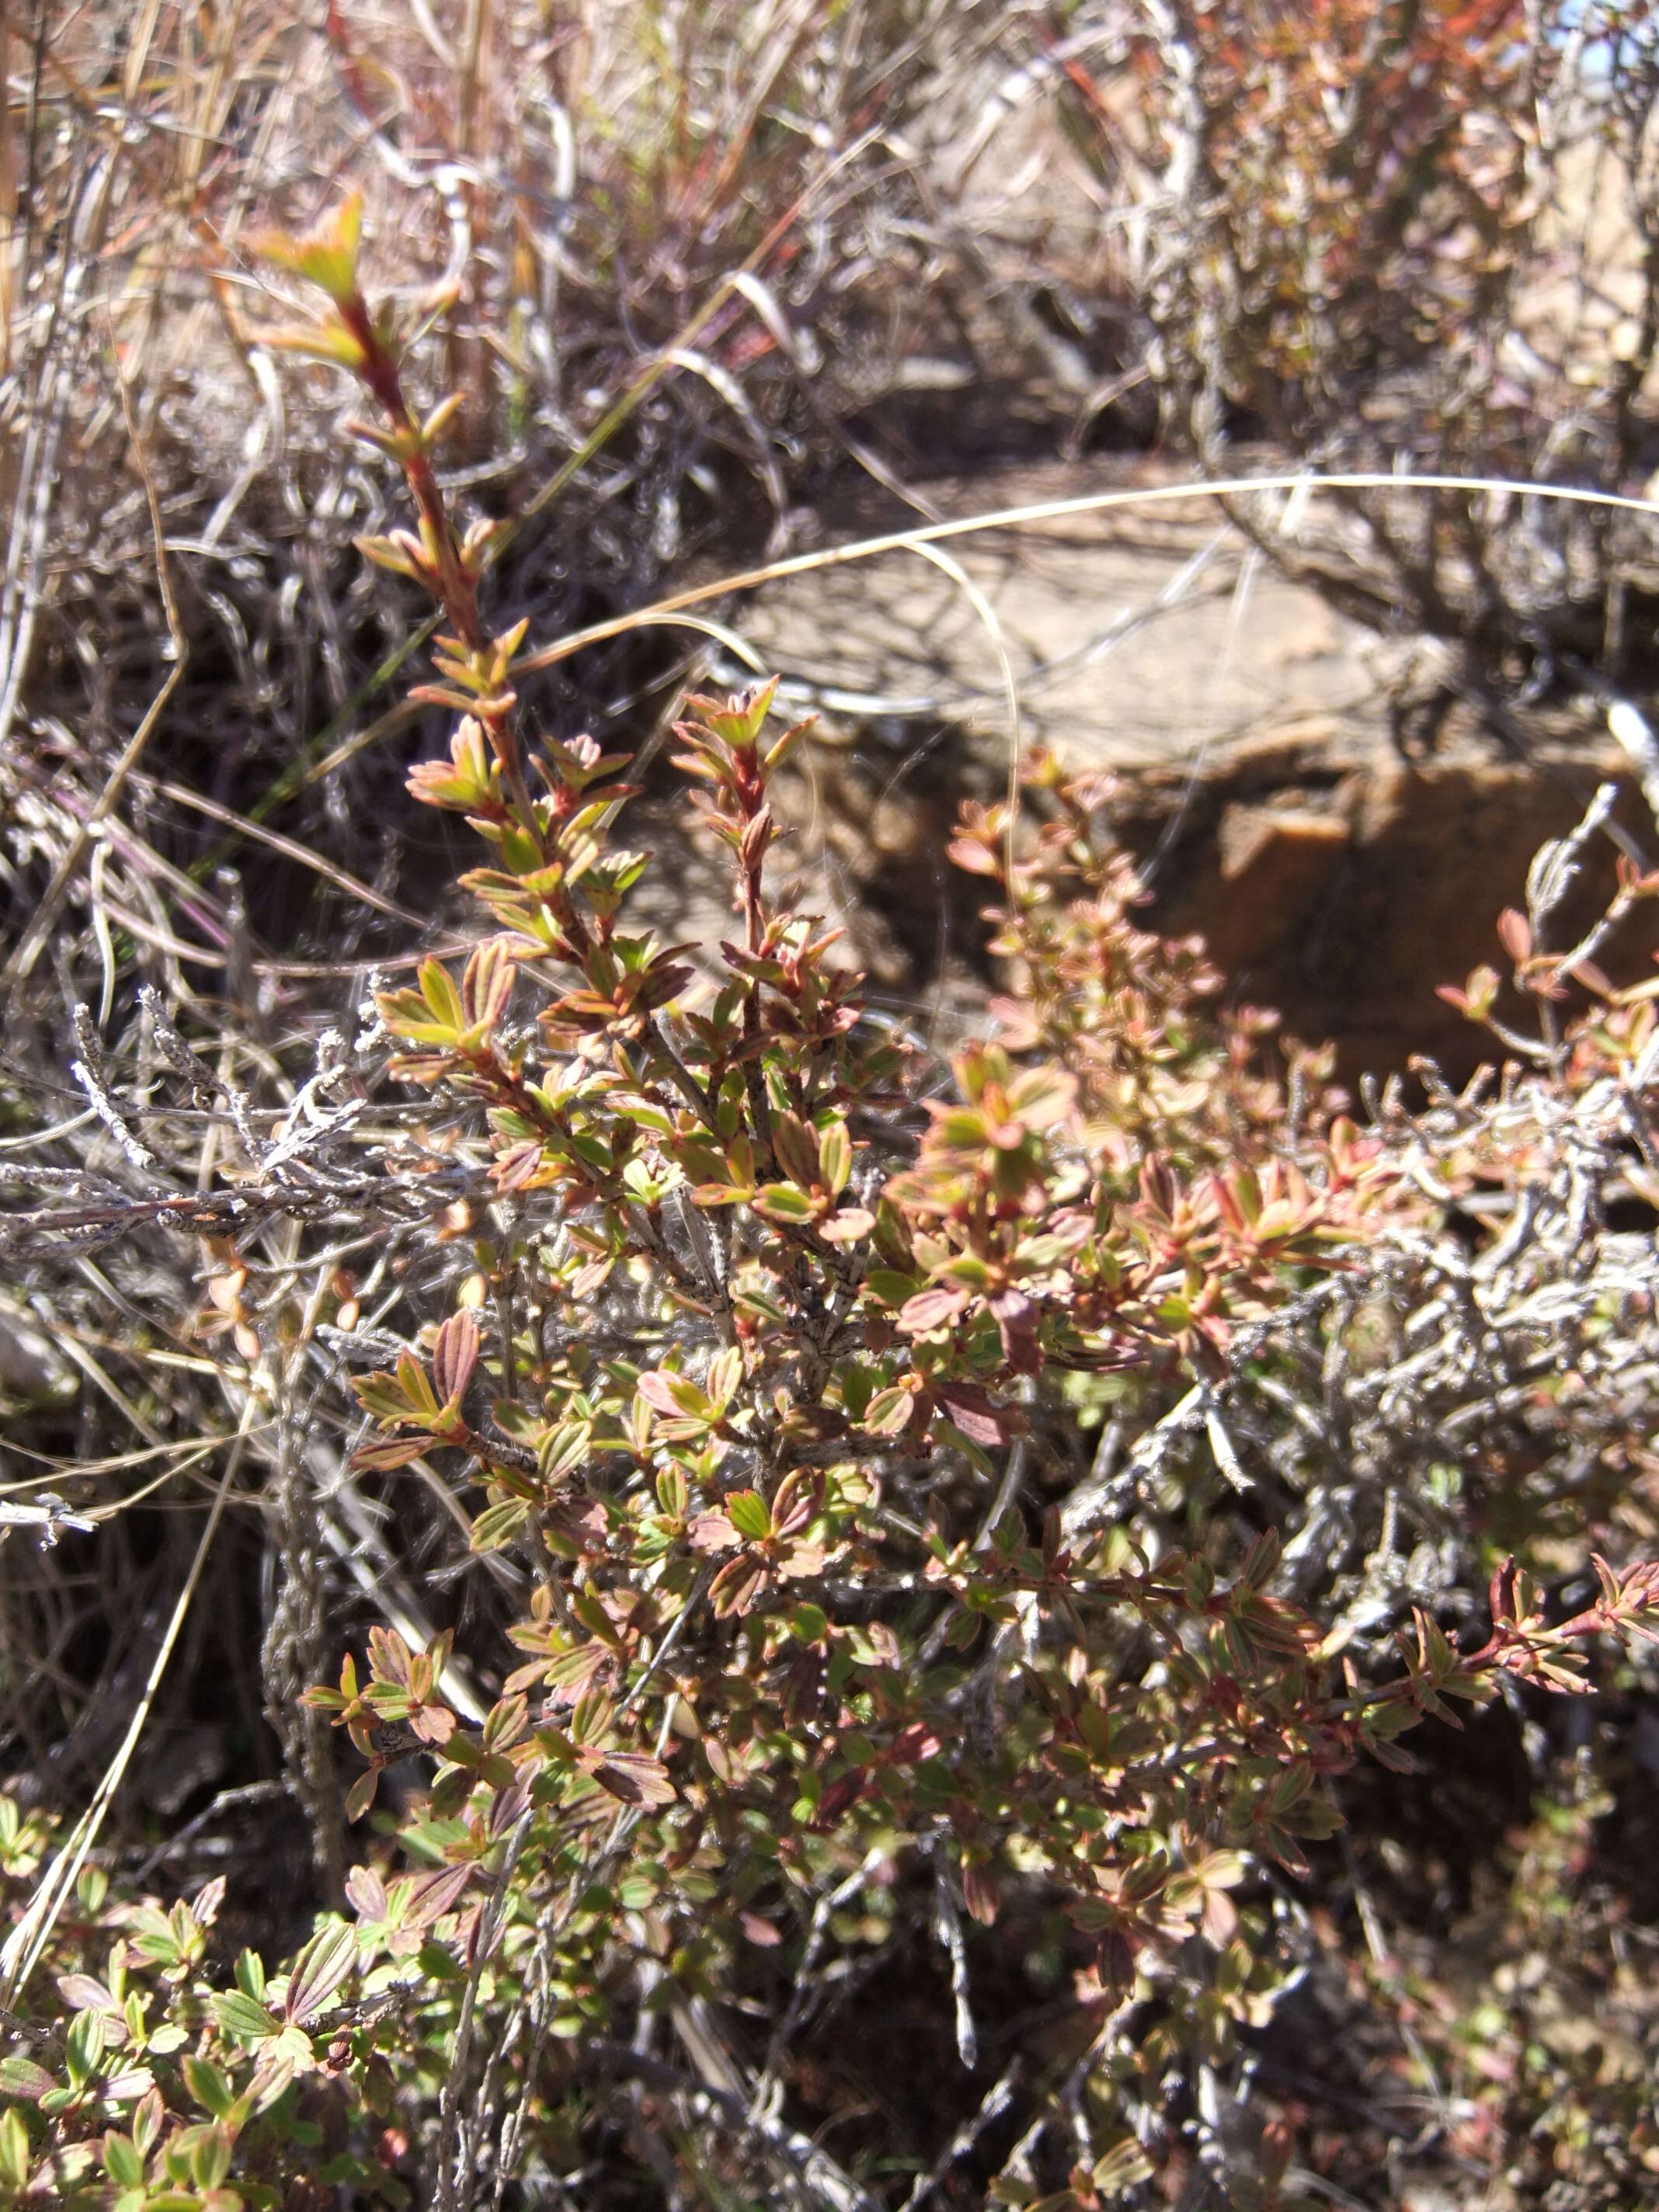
(949,1527)
(1420,237)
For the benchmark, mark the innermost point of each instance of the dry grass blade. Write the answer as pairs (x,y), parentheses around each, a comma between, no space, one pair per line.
(987,616)
(30,1937)
(1058,510)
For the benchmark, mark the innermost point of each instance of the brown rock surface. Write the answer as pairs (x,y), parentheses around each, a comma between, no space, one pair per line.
(1261,780)
(1346,914)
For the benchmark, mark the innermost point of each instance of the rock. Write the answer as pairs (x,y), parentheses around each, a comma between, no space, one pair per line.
(1250,735)
(1275,869)
(1347,914)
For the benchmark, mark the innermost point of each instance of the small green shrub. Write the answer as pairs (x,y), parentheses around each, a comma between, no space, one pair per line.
(953,1514)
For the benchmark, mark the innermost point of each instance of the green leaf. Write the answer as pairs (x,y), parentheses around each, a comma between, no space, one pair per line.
(499,1524)
(797,1148)
(438,989)
(747,1511)
(122,2161)
(293,2045)
(327,257)
(564,1448)
(83,2046)
(317,342)
(154,1938)
(210,2160)
(239,2015)
(786,746)
(1123,2167)
(673,1493)
(210,2088)
(590,1724)
(835,1157)
(382,1397)
(782,1201)
(14,2148)
(412,1380)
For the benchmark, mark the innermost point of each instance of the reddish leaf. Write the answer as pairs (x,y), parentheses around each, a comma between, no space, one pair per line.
(382,1457)
(361,1795)
(737,1586)
(389,1657)
(713,1532)
(669,1393)
(432,1895)
(20,2077)
(454,1356)
(633,1776)
(977,1414)
(933,1309)
(365,1893)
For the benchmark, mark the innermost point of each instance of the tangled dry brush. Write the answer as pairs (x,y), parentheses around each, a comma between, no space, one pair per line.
(624,1579)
